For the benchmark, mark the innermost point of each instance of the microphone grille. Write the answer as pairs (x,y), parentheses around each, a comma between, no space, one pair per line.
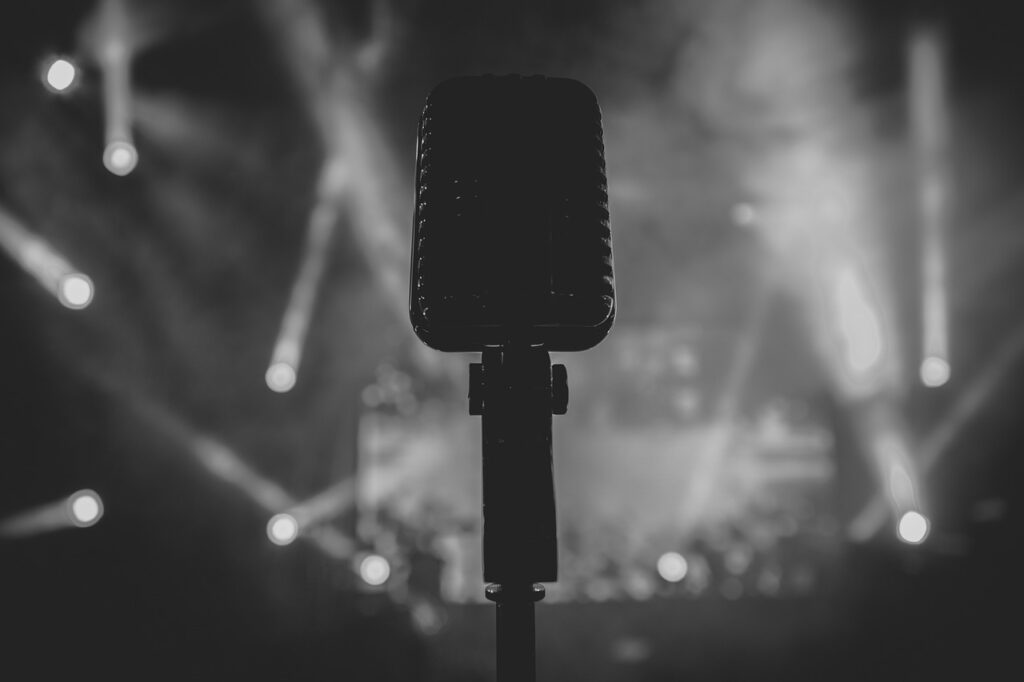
(512,240)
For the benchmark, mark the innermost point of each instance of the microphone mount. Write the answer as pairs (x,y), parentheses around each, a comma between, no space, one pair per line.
(515,390)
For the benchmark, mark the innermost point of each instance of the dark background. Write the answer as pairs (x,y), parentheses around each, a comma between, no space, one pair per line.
(194,254)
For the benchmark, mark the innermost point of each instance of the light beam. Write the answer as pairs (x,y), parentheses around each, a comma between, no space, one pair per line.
(115,58)
(968,405)
(929,126)
(73,288)
(287,355)
(858,326)
(81,509)
(228,465)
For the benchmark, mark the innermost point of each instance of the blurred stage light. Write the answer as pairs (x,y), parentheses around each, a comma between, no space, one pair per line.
(929,110)
(913,528)
(282,529)
(859,326)
(229,466)
(113,50)
(897,465)
(326,504)
(971,401)
(75,290)
(42,261)
(374,570)
(935,371)
(60,74)
(672,566)
(120,157)
(281,377)
(82,509)
(85,508)
(291,338)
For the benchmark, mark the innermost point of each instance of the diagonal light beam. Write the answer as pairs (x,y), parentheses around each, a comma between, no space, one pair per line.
(938,442)
(73,288)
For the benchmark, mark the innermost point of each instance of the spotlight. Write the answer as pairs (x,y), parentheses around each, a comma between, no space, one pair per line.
(672,566)
(282,529)
(281,377)
(60,74)
(934,371)
(374,570)
(913,528)
(120,157)
(85,508)
(75,290)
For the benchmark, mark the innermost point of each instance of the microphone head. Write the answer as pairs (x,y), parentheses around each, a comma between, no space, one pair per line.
(511,237)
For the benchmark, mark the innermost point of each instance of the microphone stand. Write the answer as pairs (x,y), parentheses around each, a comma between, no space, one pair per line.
(515,390)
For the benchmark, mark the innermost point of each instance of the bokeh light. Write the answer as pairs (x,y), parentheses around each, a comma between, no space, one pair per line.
(85,508)
(935,371)
(75,291)
(672,566)
(282,529)
(374,570)
(60,74)
(281,377)
(120,157)
(913,527)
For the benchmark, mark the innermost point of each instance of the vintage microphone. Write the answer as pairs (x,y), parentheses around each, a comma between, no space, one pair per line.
(511,257)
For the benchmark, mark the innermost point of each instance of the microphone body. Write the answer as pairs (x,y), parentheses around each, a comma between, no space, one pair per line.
(511,237)
(511,257)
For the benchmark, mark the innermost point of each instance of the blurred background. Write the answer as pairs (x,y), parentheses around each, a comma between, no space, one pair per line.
(226,456)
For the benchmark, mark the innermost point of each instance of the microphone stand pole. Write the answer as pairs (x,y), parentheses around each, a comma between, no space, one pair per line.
(515,390)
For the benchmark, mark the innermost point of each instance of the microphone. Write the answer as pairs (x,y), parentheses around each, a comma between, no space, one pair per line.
(512,257)
(511,237)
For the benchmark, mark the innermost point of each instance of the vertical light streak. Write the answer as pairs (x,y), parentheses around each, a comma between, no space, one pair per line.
(40,259)
(929,123)
(114,55)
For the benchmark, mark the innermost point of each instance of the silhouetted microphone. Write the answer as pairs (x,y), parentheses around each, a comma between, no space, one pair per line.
(511,240)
